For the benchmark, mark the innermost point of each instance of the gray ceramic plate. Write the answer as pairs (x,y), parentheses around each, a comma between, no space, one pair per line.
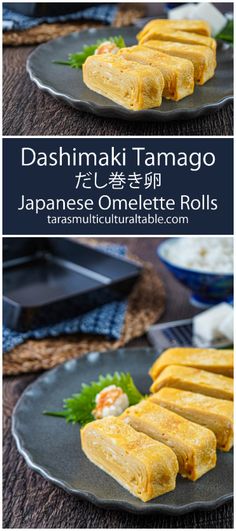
(66,84)
(52,447)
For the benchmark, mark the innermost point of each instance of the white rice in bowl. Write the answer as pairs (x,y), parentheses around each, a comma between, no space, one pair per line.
(212,255)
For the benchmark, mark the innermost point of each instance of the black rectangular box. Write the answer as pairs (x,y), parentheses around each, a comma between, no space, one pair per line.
(47,280)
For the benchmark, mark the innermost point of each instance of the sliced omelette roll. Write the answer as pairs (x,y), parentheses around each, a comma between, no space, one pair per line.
(196,380)
(132,85)
(214,414)
(178,73)
(202,57)
(208,359)
(144,467)
(193,26)
(179,36)
(194,445)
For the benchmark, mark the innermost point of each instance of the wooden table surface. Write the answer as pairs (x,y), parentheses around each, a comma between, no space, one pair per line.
(29,111)
(32,502)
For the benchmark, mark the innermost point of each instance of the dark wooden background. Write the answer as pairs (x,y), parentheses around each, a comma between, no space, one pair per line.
(32,502)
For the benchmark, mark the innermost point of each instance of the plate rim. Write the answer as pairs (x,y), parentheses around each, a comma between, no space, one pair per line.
(86,495)
(122,112)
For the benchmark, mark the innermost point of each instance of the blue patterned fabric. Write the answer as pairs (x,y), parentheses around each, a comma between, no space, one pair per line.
(108,320)
(17,21)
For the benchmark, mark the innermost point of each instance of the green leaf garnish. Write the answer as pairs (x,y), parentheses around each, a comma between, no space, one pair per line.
(76,60)
(227,33)
(79,407)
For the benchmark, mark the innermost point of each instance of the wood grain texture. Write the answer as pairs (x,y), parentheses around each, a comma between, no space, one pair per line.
(31,502)
(29,111)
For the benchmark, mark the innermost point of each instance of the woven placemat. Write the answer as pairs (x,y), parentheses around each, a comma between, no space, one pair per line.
(126,16)
(146,303)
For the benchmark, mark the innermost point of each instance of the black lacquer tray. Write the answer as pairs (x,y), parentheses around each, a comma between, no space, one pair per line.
(46,280)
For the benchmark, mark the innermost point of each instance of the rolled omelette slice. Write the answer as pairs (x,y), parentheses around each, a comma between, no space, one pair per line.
(196,380)
(178,73)
(213,360)
(202,57)
(133,85)
(193,26)
(194,445)
(179,36)
(214,414)
(144,467)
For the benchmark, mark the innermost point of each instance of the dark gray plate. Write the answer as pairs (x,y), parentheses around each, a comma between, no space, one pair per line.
(52,447)
(65,83)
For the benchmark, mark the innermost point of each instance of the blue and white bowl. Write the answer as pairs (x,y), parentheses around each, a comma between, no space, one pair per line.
(207,288)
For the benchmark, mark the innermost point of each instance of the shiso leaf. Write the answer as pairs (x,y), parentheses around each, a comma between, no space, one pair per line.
(78,408)
(227,33)
(76,60)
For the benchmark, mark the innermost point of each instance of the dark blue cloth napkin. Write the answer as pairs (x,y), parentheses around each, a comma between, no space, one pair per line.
(108,320)
(17,21)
